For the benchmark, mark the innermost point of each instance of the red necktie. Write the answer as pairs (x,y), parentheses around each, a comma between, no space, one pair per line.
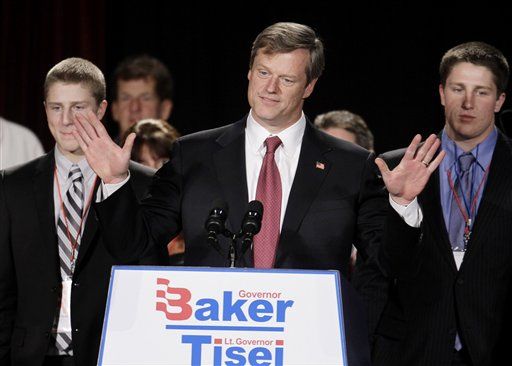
(269,193)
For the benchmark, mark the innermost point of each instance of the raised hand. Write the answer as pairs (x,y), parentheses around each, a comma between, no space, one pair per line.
(106,158)
(408,179)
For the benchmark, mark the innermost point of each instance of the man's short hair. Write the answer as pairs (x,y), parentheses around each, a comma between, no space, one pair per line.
(348,121)
(145,67)
(480,54)
(288,37)
(77,70)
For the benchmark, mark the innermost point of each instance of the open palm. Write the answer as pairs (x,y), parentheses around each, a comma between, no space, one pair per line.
(406,181)
(108,160)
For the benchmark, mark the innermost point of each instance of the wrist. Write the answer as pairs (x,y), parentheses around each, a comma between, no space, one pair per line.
(401,200)
(115,179)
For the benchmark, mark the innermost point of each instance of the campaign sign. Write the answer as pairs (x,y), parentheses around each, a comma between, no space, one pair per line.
(207,316)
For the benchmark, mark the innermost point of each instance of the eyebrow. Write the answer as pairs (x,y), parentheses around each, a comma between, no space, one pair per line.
(476,87)
(145,93)
(290,76)
(72,103)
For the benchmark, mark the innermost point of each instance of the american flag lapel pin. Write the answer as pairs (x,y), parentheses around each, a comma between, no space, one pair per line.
(320,165)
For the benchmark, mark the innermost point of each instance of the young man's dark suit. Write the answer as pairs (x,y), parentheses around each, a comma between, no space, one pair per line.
(336,199)
(29,267)
(430,297)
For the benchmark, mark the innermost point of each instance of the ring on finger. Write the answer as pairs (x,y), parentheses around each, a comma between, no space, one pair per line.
(425,163)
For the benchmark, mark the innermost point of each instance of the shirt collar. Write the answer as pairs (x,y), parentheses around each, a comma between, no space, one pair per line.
(64,165)
(482,152)
(291,137)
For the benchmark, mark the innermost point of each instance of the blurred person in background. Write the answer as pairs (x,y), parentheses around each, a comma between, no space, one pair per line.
(152,147)
(142,88)
(17,144)
(370,281)
(347,126)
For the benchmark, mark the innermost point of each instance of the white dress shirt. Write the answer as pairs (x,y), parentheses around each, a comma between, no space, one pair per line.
(286,156)
(63,166)
(411,213)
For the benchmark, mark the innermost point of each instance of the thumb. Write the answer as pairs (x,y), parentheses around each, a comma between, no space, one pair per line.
(128,144)
(383,167)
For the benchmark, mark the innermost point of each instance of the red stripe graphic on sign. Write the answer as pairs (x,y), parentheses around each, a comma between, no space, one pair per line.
(173,308)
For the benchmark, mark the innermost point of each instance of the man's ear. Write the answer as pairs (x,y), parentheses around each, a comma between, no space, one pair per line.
(499,102)
(309,88)
(102,108)
(441,93)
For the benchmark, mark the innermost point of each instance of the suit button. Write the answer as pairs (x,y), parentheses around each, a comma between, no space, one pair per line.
(47,334)
(54,289)
(76,284)
(460,281)
(76,330)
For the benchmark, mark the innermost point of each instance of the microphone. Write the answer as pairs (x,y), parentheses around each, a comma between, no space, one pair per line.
(251,224)
(215,222)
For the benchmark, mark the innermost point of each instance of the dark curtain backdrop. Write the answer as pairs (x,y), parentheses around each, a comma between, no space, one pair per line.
(35,35)
(381,58)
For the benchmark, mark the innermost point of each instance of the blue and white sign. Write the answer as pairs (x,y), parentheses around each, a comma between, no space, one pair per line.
(210,316)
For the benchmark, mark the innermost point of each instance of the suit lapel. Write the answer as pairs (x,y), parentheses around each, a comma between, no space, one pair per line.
(90,229)
(497,186)
(229,164)
(430,201)
(312,169)
(43,191)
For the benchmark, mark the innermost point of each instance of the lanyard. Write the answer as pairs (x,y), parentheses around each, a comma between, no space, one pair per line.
(73,240)
(467,212)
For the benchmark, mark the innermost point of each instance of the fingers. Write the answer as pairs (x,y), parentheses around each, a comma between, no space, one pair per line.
(429,149)
(80,140)
(85,128)
(91,126)
(128,144)
(411,149)
(435,163)
(425,149)
(81,131)
(100,130)
(383,167)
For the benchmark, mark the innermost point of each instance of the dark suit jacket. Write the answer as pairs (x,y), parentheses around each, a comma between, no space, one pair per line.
(430,298)
(330,206)
(29,267)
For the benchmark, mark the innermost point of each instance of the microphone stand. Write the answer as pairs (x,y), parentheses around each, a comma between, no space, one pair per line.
(232,251)
(246,244)
(250,226)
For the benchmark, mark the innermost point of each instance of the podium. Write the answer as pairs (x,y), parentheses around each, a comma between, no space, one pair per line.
(231,316)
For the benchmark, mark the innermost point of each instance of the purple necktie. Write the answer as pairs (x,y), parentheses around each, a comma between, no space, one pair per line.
(269,193)
(462,186)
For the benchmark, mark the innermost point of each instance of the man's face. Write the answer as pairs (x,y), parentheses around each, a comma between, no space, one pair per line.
(63,101)
(470,99)
(277,88)
(137,99)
